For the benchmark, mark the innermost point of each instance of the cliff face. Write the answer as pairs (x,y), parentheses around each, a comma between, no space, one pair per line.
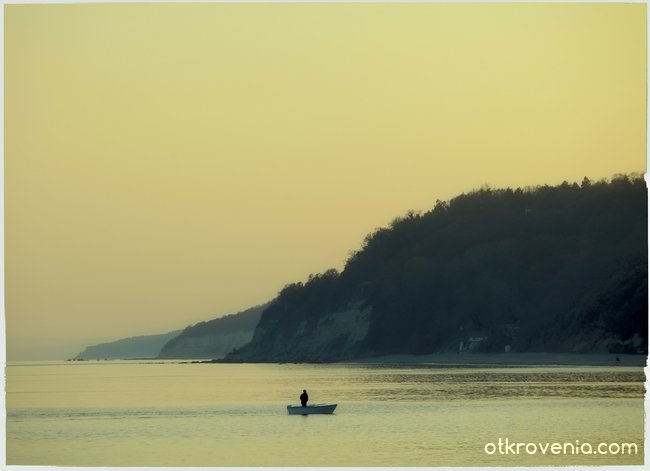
(209,346)
(213,339)
(335,335)
(555,269)
(145,346)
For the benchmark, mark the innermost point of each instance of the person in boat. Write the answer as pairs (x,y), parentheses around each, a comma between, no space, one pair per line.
(304,397)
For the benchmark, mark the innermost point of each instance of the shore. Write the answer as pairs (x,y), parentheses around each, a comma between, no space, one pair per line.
(511,359)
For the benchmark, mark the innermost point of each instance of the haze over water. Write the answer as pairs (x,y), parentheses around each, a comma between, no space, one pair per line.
(170,414)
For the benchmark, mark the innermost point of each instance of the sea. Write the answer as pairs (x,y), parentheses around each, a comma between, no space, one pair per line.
(177,414)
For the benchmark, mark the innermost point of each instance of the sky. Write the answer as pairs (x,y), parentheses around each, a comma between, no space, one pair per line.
(167,164)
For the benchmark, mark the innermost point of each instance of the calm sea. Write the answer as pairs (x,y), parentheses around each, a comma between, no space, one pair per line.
(171,414)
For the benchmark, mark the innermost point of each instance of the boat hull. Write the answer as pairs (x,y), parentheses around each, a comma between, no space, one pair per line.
(315,409)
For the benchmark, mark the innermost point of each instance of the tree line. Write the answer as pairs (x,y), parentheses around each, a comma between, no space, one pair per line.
(548,268)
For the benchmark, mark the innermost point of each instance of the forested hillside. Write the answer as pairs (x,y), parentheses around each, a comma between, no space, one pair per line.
(551,268)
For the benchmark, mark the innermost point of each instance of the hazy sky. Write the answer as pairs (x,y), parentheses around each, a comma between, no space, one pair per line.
(167,164)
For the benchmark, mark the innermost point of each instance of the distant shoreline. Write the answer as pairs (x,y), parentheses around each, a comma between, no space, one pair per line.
(481,359)
(510,359)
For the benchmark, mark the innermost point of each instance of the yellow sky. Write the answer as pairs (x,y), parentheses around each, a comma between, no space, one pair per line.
(167,164)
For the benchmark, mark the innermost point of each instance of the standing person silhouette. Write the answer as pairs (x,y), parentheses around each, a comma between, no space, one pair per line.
(304,397)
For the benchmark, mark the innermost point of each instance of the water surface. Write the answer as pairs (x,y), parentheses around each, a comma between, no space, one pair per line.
(171,414)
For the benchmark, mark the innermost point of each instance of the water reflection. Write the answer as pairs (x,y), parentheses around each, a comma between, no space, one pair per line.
(436,384)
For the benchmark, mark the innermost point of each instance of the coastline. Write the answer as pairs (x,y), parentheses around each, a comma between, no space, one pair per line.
(509,359)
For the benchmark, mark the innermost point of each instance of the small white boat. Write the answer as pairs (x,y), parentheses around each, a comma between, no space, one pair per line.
(313,409)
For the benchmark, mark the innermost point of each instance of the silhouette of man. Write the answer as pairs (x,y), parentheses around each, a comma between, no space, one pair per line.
(304,397)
